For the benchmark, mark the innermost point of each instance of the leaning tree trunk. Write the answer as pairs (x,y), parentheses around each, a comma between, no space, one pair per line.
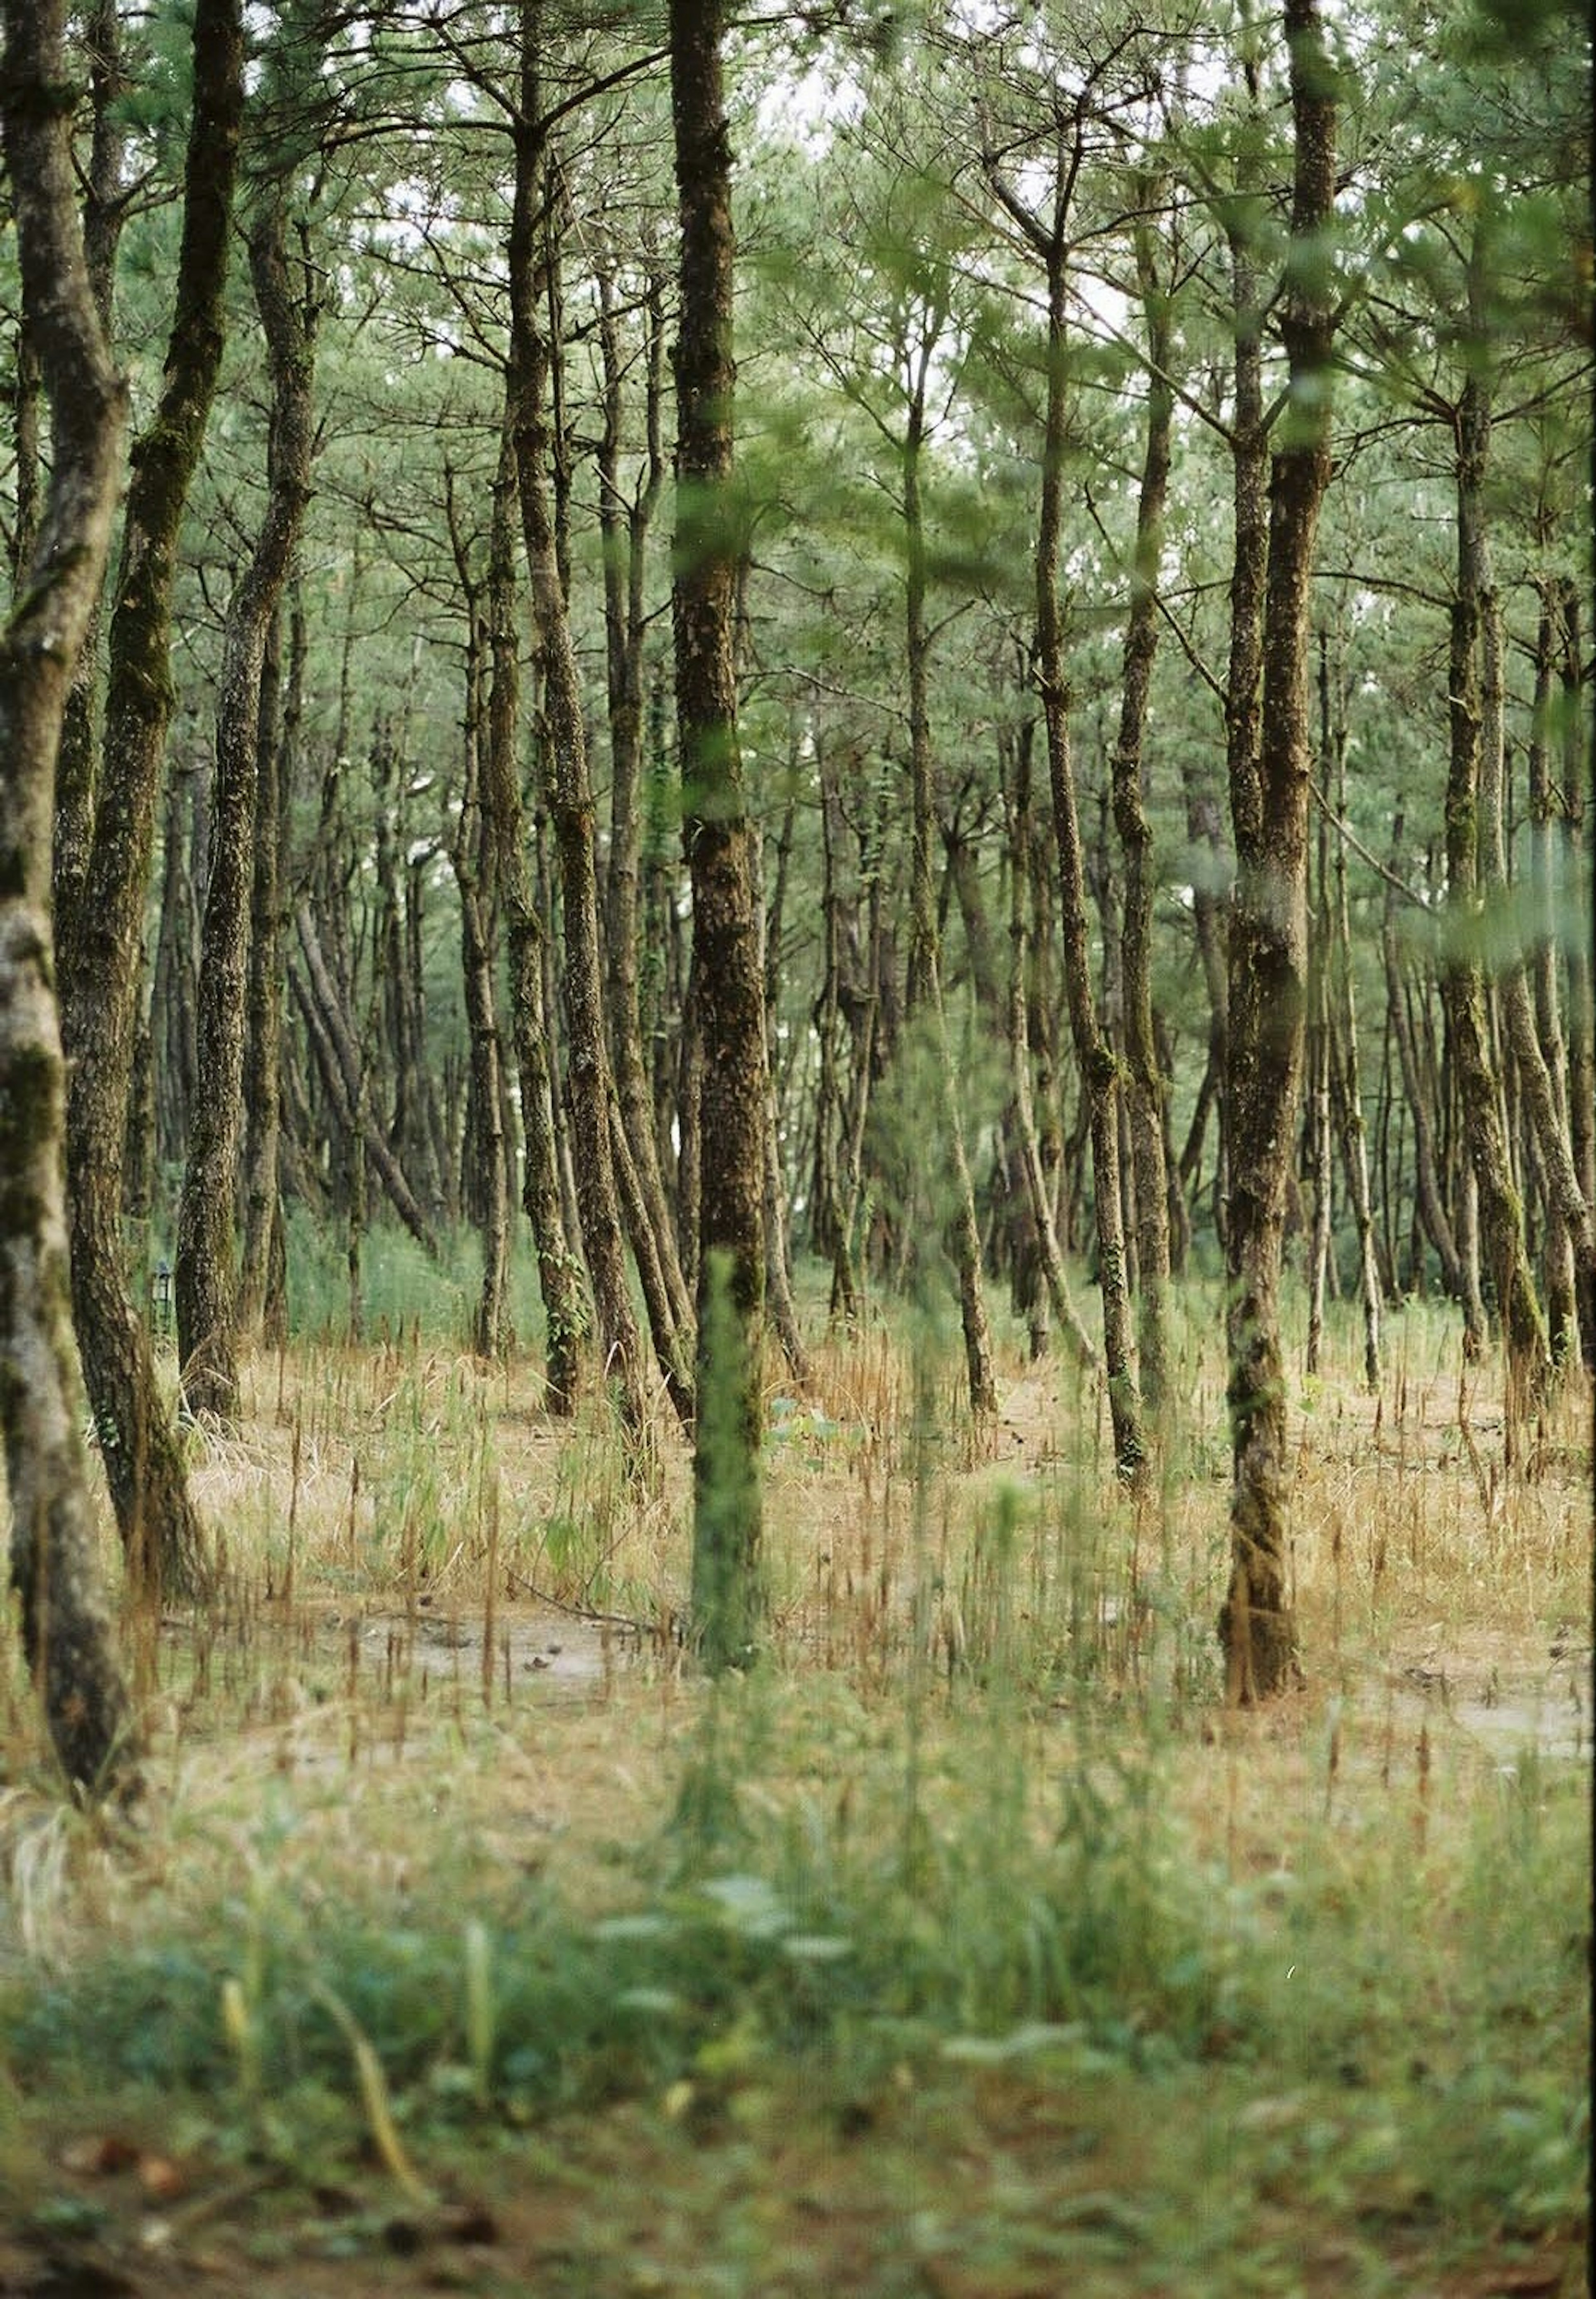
(729,1591)
(567,780)
(206,1263)
(1268,922)
(66,1631)
(100,928)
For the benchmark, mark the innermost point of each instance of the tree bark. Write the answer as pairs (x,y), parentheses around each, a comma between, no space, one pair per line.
(1146,1088)
(1268,922)
(625,521)
(567,782)
(925,990)
(728,1587)
(1504,1258)
(66,1631)
(559,1274)
(1099,1071)
(206,1281)
(99,927)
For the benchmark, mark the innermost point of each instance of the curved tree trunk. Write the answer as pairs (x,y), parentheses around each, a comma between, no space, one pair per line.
(66,1631)
(205,1274)
(1269,923)
(100,925)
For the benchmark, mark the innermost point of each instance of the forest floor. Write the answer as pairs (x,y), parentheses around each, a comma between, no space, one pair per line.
(464,1940)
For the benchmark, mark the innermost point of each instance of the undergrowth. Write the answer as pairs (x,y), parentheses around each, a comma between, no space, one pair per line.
(978,1819)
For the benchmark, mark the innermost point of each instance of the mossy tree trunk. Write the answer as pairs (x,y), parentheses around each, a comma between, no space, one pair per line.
(205,1283)
(728,1594)
(66,1631)
(1268,922)
(99,925)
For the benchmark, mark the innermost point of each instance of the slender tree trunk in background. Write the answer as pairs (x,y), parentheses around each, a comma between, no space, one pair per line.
(1341,1023)
(1431,1203)
(205,1273)
(1268,922)
(1562,1314)
(729,1585)
(779,1304)
(1145,1090)
(625,526)
(1318,1130)
(1575,904)
(1099,1072)
(99,927)
(1050,1261)
(829,1229)
(262,1305)
(1567,1211)
(559,1273)
(486,1192)
(1211,912)
(1502,1252)
(567,782)
(924,953)
(66,1631)
(338,1059)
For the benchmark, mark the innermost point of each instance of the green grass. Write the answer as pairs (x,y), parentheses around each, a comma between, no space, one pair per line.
(967,1946)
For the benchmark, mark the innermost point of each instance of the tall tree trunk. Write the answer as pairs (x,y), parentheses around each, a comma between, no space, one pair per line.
(1561,1285)
(99,925)
(567,781)
(1050,1259)
(925,994)
(559,1275)
(262,1309)
(1341,1023)
(1146,1090)
(1268,922)
(1581,1010)
(1502,1250)
(66,1630)
(625,523)
(1431,1203)
(1099,1071)
(205,1273)
(1569,1211)
(729,1591)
